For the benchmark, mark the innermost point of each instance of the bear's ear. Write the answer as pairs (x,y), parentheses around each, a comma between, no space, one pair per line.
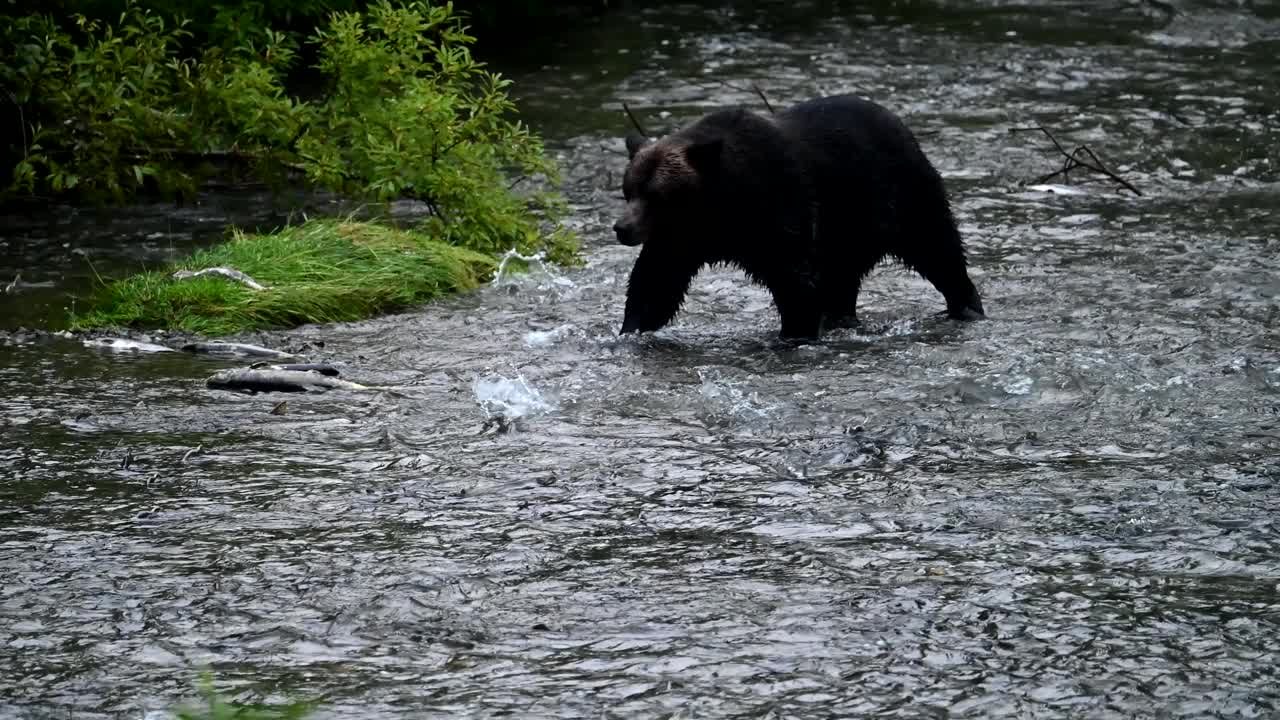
(634,143)
(704,155)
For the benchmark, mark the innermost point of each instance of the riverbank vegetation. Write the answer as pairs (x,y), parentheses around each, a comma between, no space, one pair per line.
(321,271)
(377,101)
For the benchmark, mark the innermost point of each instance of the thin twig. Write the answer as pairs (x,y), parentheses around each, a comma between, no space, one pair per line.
(634,121)
(763,99)
(22,122)
(1039,128)
(1077,158)
(1067,166)
(755,89)
(1089,151)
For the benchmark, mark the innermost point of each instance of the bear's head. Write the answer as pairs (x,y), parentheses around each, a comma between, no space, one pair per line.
(666,186)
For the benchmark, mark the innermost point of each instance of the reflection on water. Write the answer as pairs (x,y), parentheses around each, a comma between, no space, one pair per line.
(1067,511)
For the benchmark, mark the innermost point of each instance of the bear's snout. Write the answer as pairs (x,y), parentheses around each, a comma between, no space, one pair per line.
(626,234)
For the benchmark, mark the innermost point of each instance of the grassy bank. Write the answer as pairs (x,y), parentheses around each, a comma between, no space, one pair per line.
(321,271)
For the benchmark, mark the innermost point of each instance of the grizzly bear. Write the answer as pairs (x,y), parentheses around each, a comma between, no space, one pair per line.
(806,202)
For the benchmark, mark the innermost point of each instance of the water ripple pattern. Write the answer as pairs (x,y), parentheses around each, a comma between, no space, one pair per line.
(1067,511)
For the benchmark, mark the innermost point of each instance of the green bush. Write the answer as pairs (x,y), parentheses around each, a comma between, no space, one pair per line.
(111,109)
(120,110)
(411,114)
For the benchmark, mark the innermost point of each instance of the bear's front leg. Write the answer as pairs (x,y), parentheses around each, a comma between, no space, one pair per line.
(656,290)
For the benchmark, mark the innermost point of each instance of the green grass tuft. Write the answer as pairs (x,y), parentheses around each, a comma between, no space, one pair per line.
(318,272)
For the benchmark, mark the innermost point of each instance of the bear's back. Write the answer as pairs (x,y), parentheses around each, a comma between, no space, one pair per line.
(859,154)
(758,160)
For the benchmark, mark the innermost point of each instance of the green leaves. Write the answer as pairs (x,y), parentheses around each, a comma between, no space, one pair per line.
(412,115)
(119,106)
(112,108)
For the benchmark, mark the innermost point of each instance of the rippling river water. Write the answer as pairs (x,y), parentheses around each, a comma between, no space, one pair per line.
(1067,511)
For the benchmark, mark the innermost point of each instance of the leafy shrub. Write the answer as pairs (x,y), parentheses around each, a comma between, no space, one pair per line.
(109,109)
(121,110)
(411,114)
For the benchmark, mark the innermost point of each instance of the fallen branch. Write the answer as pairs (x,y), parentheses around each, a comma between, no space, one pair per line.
(1081,157)
(190,158)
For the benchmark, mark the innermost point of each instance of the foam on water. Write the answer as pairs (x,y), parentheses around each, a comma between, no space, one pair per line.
(734,396)
(509,397)
(545,338)
(549,278)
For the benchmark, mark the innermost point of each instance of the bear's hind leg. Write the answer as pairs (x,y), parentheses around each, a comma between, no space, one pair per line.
(840,302)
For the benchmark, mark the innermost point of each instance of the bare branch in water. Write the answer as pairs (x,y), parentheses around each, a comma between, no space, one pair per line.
(634,121)
(763,99)
(1081,157)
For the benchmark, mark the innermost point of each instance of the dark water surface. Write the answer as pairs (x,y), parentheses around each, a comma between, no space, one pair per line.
(1067,511)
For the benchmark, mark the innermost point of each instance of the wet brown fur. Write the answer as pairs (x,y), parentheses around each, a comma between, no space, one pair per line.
(805,202)
(663,167)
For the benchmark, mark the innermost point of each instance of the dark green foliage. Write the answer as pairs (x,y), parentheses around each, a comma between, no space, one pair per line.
(445,137)
(234,23)
(121,111)
(109,109)
(142,102)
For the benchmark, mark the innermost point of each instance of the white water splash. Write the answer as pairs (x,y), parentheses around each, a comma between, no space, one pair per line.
(731,395)
(539,259)
(123,345)
(543,338)
(1018,385)
(509,398)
